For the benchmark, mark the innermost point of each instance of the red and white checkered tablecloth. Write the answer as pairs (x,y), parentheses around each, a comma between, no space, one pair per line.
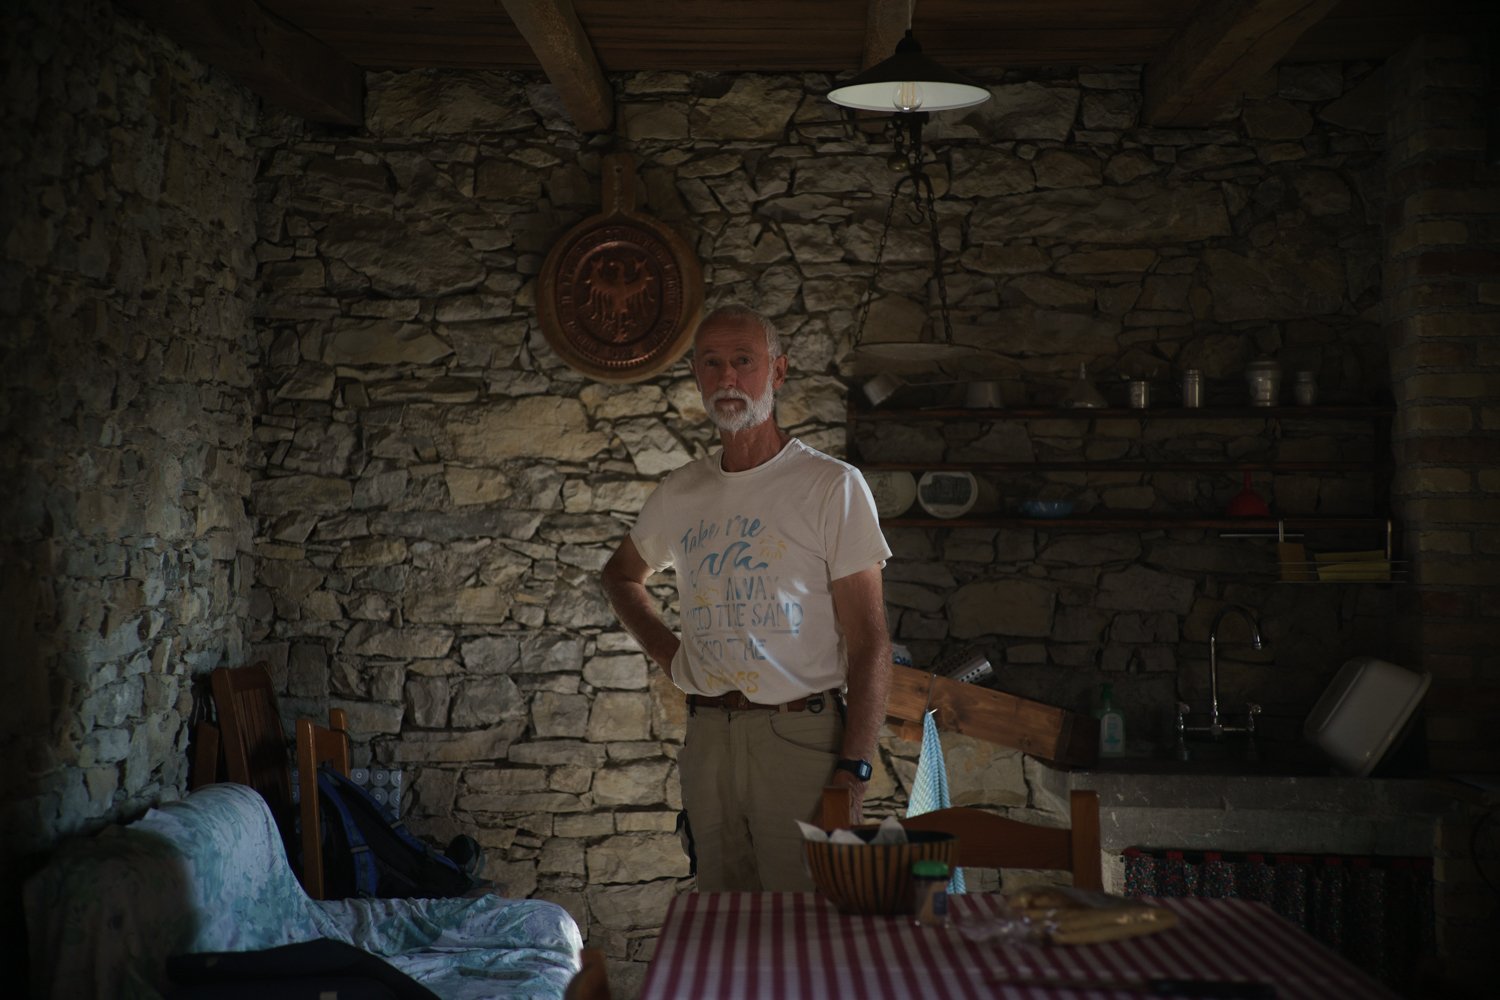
(796,946)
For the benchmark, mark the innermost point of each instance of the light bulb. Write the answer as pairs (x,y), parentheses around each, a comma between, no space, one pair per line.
(907,96)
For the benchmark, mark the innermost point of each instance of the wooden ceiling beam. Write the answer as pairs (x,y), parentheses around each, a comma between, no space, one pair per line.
(278,61)
(1219,53)
(552,29)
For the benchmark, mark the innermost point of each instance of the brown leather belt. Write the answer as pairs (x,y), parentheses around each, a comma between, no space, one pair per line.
(735,701)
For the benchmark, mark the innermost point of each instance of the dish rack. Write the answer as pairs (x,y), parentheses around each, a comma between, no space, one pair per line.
(1297,565)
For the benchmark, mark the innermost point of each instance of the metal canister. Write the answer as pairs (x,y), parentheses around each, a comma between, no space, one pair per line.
(1305,389)
(1263,377)
(1192,388)
(1140,394)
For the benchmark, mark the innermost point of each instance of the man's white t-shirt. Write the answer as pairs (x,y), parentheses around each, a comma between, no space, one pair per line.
(755,554)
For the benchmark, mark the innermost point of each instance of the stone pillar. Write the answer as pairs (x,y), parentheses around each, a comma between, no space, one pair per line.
(1442,286)
(1442,293)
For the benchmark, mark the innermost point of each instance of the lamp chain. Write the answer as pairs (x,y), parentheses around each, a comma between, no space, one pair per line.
(924,203)
(937,256)
(885,232)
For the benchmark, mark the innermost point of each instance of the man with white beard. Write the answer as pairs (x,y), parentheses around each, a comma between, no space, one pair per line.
(783,655)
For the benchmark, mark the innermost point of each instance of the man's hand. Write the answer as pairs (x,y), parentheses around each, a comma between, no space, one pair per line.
(624,580)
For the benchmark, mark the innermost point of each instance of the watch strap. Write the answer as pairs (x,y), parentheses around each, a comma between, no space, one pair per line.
(861,769)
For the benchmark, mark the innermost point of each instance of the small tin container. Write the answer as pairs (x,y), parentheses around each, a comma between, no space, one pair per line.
(1305,388)
(1140,394)
(1192,388)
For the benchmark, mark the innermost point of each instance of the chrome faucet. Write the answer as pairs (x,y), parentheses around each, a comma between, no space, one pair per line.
(1216,727)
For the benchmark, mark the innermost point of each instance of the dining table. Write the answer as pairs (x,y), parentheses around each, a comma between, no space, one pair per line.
(798,946)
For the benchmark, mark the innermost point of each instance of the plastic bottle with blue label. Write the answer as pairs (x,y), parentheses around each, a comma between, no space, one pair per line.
(1111,725)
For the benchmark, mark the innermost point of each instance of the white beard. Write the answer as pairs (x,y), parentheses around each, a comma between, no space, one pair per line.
(754,413)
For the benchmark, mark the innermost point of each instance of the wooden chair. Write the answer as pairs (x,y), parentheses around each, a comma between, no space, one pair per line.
(316,745)
(986,840)
(592,981)
(254,744)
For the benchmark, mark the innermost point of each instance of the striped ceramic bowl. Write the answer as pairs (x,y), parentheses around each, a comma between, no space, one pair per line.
(860,878)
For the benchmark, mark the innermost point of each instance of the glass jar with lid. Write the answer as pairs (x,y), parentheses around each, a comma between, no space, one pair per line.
(1264,379)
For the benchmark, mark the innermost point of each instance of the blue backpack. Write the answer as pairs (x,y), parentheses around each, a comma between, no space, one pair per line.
(366,854)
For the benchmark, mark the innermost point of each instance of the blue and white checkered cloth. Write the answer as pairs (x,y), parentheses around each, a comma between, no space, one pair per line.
(929,789)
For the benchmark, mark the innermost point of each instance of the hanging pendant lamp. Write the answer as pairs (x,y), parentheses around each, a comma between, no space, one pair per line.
(912,86)
(908,81)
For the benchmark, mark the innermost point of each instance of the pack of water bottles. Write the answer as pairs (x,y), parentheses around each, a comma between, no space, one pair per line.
(385,785)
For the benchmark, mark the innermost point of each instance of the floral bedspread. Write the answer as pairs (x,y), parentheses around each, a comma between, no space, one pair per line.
(208,873)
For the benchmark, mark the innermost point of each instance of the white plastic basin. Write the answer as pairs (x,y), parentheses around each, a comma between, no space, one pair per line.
(1363,710)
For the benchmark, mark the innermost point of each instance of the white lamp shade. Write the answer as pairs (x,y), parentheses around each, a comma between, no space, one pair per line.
(935,96)
(908,81)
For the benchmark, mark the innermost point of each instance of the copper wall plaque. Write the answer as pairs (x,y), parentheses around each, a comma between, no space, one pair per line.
(620,294)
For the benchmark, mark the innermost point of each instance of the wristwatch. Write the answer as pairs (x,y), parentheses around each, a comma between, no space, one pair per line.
(861,769)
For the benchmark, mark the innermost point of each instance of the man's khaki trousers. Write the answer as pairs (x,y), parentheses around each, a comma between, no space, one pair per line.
(747,776)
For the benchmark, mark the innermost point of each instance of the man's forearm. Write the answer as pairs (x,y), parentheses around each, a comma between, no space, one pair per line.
(859,603)
(637,611)
(869,688)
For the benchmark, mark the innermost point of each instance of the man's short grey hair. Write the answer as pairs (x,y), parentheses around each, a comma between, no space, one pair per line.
(744,314)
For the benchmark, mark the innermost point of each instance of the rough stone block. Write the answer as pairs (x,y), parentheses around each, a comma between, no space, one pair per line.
(620,672)
(1143,212)
(426,700)
(373,639)
(628,907)
(636,858)
(468,606)
(639,784)
(618,715)
(560,715)
(459,747)
(481,700)
(1001,607)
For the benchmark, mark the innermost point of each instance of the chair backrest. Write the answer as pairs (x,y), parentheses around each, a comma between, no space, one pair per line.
(590,982)
(205,755)
(255,746)
(986,840)
(316,745)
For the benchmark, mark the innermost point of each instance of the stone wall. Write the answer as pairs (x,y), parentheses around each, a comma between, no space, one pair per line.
(126,284)
(128,287)
(435,491)
(1443,255)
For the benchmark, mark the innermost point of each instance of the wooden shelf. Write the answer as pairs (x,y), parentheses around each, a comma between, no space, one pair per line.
(1375,414)
(1124,521)
(1105,465)
(1033,727)
(1330,412)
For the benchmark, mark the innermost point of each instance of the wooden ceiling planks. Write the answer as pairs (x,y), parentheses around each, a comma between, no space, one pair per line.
(1226,46)
(824,35)
(307,54)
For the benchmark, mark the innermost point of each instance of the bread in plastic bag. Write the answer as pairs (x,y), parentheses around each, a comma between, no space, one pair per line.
(1079,916)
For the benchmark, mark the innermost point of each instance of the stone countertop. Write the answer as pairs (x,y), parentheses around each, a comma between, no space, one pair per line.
(1284,813)
(1268,813)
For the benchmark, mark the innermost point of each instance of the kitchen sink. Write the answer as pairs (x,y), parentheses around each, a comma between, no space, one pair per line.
(1231,755)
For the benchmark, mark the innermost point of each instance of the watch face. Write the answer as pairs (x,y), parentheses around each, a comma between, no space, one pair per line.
(861,769)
